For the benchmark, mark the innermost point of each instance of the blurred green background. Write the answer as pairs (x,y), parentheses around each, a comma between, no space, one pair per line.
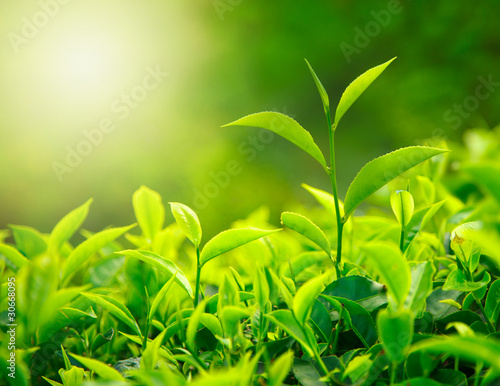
(70,69)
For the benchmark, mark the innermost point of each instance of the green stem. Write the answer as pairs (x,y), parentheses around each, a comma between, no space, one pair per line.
(402,239)
(332,172)
(393,372)
(491,328)
(198,274)
(337,331)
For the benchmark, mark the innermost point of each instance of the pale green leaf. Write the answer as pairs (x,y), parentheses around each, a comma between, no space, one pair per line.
(230,239)
(305,298)
(306,228)
(286,127)
(396,332)
(149,211)
(67,227)
(475,349)
(322,92)
(162,264)
(13,255)
(90,246)
(402,205)
(28,240)
(159,297)
(381,170)
(286,320)
(102,369)
(356,88)
(387,262)
(188,221)
(115,308)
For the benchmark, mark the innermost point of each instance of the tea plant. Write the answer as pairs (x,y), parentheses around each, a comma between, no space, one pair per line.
(406,293)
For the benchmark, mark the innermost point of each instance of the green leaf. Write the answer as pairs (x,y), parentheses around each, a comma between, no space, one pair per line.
(476,349)
(102,369)
(67,227)
(305,298)
(115,308)
(230,317)
(13,255)
(464,247)
(286,127)
(212,323)
(306,228)
(286,320)
(419,220)
(381,170)
(457,281)
(325,199)
(307,373)
(492,306)
(396,332)
(361,321)
(387,262)
(28,240)
(421,286)
(149,211)
(193,324)
(150,356)
(159,297)
(72,377)
(188,221)
(280,369)
(90,246)
(322,92)
(357,367)
(261,288)
(230,239)
(163,265)
(402,205)
(356,88)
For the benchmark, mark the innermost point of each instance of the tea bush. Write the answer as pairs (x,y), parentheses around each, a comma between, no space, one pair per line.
(404,292)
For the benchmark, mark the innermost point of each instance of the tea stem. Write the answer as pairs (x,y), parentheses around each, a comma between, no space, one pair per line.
(198,274)
(332,172)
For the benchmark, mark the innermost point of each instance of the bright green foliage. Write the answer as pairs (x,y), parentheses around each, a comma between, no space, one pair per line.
(305,297)
(141,306)
(396,332)
(307,228)
(321,89)
(356,88)
(90,246)
(381,170)
(188,222)
(149,211)
(67,227)
(286,127)
(162,265)
(387,262)
(115,308)
(103,370)
(402,205)
(230,239)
